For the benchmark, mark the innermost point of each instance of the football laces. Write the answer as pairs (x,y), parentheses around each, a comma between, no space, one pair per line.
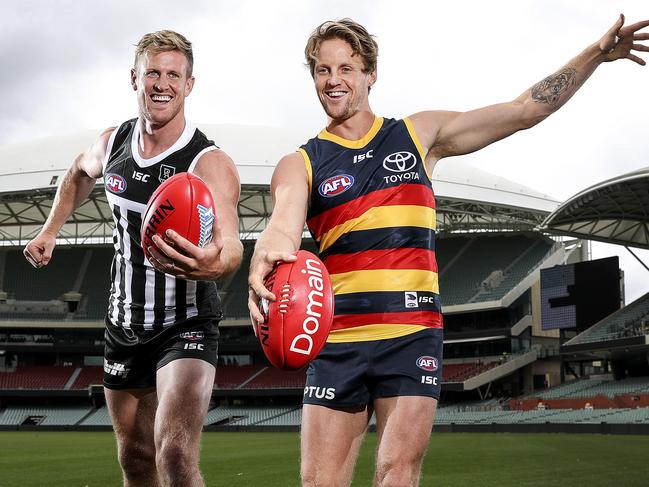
(284,298)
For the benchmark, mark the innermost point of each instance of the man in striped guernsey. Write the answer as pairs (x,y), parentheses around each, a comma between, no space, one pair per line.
(363,187)
(161,325)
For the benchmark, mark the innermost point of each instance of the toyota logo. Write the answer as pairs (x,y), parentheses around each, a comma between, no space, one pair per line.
(400,161)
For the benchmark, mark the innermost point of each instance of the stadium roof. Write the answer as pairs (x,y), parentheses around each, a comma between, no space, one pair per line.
(613,211)
(469,199)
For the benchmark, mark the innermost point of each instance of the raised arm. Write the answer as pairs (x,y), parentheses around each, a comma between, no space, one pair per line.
(223,254)
(282,236)
(454,133)
(77,183)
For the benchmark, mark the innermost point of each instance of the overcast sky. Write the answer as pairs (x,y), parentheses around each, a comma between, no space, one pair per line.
(66,68)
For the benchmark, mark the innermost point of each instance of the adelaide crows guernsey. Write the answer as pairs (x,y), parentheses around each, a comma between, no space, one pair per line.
(142,298)
(372,215)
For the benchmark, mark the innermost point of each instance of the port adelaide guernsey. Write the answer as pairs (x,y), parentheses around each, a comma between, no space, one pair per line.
(372,215)
(142,298)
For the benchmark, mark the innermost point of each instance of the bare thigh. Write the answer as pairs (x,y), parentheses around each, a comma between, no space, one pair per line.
(404,426)
(330,441)
(184,392)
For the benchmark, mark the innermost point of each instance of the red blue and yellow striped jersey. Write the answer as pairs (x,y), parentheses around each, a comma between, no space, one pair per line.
(372,215)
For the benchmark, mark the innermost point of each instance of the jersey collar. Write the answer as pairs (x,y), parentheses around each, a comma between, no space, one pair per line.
(354,144)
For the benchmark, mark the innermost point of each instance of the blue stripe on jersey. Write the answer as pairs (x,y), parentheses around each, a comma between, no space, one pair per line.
(387,302)
(378,238)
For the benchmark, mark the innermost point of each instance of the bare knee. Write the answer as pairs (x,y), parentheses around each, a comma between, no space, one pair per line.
(175,460)
(398,472)
(137,459)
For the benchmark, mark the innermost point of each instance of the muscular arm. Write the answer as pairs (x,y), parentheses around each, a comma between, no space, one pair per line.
(77,183)
(283,235)
(454,133)
(217,169)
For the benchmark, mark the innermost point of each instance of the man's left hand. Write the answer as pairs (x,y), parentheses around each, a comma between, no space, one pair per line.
(177,256)
(619,41)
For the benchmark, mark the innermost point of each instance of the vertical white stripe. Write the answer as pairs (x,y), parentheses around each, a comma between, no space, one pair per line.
(170,300)
(128,275)
(190,295)
(149,297)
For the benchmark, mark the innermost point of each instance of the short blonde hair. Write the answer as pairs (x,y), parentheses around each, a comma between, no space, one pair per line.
(361,42)
(163,41)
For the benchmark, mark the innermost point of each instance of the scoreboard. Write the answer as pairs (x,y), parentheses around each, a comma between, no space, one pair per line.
(576,296)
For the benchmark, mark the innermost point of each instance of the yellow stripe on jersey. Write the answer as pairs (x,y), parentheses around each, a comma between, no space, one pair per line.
(309,169)
(415,139)
(376,280)
(382,217)
(354,144)
(367,333)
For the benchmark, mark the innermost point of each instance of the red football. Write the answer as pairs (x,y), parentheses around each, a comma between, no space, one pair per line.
(182,203)
(299,320)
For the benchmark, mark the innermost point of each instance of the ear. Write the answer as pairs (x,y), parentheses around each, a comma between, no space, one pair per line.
(134,79)
(372,78)
(189,86)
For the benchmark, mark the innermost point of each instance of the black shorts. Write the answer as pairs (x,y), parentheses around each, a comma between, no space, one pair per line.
(346,375)
(131,359)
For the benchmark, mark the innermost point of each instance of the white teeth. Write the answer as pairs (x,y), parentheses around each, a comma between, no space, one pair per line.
(160,98)
(336,94)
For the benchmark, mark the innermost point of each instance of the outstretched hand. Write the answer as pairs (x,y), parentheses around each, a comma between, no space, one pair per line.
(619,41)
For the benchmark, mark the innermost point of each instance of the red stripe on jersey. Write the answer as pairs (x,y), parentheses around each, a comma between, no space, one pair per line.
(431,319)
(406,258)
(404,194)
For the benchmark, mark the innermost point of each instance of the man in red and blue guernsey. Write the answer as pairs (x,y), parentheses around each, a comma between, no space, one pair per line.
(363,186)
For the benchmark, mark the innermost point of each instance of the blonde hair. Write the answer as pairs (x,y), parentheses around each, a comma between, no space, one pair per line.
(163,41)
(361,42)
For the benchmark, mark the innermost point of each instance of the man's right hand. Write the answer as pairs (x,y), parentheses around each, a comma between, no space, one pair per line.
(261,265)
(38,251)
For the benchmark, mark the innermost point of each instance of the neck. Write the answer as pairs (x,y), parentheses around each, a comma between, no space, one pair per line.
(155,139)
(354,127)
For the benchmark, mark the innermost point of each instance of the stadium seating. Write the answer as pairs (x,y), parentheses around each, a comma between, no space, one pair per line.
(36,378)
(630,321)
(272,378)
(62,416)
(89,375)
(234,376)
(481,269)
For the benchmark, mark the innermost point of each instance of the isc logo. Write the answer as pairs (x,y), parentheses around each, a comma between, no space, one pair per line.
(193,346)
(140,176)
(427,363)
(115,183)
(336,185)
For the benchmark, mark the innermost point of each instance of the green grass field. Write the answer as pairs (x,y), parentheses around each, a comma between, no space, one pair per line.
(71,459)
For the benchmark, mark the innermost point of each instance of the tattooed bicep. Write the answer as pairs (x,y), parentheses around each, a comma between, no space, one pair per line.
(551,88)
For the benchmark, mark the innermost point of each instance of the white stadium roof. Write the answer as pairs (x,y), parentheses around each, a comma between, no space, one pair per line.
(468,198)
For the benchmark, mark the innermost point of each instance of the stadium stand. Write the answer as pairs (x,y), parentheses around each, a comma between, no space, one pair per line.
(62,416)
(630,321)
(271,378)
(485,268)
(36,377)
(233,377)
(89,375)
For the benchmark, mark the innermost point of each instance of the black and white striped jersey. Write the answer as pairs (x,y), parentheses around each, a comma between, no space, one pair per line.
(142,298)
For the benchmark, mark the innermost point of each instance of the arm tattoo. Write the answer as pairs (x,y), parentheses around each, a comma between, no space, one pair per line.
(551,88)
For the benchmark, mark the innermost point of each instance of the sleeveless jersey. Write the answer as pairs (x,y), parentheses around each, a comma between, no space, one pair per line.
(372,215)
(142,298)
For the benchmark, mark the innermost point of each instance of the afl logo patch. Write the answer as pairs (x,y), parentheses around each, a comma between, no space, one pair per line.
(115,183)
(427,363)
(400,161)
(336,185)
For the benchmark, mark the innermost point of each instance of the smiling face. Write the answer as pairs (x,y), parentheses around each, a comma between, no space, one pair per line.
(340,81)
(161,82)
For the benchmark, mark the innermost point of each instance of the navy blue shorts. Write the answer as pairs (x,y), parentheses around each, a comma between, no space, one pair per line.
(131,359)
(347,375)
